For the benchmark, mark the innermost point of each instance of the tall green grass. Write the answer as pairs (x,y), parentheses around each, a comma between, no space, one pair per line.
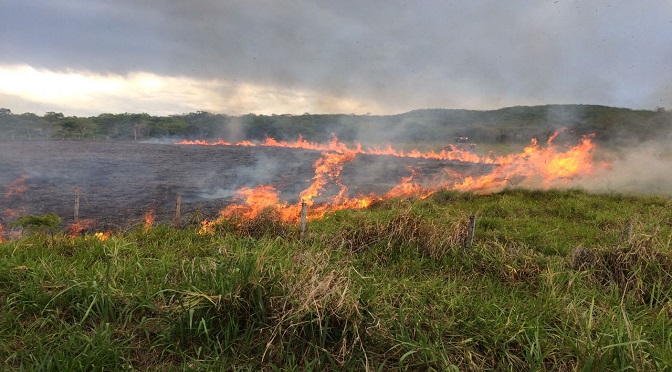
(554,280)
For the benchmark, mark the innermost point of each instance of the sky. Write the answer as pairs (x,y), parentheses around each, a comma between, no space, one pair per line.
(163,57)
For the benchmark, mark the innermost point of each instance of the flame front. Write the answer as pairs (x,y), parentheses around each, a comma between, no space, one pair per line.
(450,153)
(536,166)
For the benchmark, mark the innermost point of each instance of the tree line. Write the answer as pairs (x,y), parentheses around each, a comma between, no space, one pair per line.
(513,124)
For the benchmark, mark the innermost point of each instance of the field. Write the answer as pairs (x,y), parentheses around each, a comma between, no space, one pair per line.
(553,280)
(120,182)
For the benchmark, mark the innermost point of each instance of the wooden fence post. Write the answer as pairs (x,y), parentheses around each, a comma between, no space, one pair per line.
(178,205)
(304,216)
(76,212)
(470,232)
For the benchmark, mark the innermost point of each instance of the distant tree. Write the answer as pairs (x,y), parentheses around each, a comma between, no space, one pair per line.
(5,111)
(54,120)
(168,126)
(73,126)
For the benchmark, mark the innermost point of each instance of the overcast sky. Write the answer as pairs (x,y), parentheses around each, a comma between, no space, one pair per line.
(86,57)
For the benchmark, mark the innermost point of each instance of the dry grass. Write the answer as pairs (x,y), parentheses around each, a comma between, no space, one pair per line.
(317,303)
(511,262)
(636,267)
(430,237)
(268,223)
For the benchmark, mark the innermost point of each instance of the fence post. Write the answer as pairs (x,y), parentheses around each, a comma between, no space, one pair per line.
(76,212)
(178,205)
(304,216)
(470,232)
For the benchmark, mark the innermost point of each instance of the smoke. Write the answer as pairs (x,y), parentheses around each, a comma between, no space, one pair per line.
(641,169)
(287,170)
(233,130)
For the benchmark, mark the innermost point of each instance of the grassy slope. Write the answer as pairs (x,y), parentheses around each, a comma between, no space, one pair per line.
(557,280)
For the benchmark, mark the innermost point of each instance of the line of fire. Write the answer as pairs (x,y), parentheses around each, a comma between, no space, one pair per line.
(541,166)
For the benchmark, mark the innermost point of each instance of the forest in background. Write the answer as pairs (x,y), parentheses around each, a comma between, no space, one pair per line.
(610,125)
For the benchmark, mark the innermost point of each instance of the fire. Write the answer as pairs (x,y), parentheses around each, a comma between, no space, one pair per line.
(535,166)
(149,219)
(16,187)
(257,200)
(102,236)
(13,213)
(207,228)
(75,229)
(450,153)
(409,187)
(327,168)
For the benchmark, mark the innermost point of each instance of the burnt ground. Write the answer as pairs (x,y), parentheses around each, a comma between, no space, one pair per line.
(120,182)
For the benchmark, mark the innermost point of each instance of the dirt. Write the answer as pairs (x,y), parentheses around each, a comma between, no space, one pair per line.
(120,182)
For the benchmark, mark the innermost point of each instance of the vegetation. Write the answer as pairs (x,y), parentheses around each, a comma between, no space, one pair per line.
(554,280)
(508,125)
(44,223)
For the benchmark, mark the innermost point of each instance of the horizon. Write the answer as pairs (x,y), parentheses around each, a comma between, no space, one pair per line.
(656,109)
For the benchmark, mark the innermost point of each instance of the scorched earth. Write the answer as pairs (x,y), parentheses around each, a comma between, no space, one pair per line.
(119,183)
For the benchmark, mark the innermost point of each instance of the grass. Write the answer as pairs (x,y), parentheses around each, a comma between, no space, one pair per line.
(554,280)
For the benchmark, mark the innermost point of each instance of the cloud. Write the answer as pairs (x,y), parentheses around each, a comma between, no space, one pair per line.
(87,93)
(397,55)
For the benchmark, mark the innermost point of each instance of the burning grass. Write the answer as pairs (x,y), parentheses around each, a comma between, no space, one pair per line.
(389,287)
(546,166)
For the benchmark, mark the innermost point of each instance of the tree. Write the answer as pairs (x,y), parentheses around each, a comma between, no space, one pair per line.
(54,120)
(40,224)
(74,126)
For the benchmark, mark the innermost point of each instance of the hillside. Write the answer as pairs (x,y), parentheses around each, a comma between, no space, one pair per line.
(614,126)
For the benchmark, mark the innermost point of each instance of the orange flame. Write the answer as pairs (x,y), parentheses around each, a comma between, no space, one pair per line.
(535,166)
(102,236)
(149,219)
(207,228)
(408,187)
(75,229)
(16,187)
(450,153)
(328,168)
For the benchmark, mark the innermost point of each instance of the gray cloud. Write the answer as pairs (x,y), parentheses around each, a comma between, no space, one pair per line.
(402,54)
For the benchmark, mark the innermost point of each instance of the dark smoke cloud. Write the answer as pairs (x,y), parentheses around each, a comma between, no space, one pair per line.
(405,55)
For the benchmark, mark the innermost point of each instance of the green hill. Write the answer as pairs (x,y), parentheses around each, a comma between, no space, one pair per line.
(610,125)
